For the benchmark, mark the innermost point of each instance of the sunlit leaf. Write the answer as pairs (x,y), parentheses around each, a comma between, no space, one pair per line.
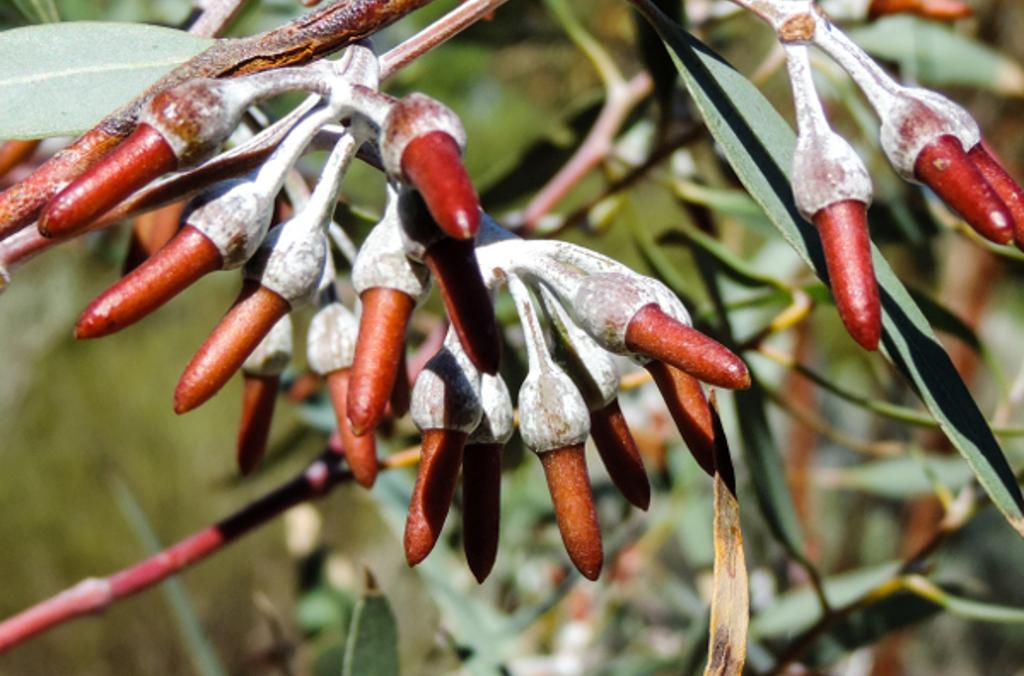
(38,11)
(759,145)
(60,79)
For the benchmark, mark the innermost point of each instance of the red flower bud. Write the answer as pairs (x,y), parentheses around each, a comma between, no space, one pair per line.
(258,399)
(453,265)
(360,452)
(186,258)
(653,333)
(433,163)
(379,351)
(481,506)
(686,403)
(566,472)
(251,317)
(1004,184)
(21,203)
(843,227)
(619,454)
(402,390)
(944,167)
(143,156)
(438,473)
(938,10)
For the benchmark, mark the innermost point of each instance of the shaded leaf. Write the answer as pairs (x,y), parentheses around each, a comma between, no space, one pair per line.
(759,145)
(61,79)
(372,645)
(898,477)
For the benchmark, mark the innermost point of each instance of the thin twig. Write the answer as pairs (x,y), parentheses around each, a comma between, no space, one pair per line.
(437,33)
(596,147)
(216,16)
(93,595)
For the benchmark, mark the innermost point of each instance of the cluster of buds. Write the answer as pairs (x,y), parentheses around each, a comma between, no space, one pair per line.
(927,138)
(577,308)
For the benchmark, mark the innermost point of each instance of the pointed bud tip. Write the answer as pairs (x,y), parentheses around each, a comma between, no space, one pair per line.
(433,163)
(139,159)
(566,472)
(944,166)
(843,228)
(186,258)
(620,455)
(654,333)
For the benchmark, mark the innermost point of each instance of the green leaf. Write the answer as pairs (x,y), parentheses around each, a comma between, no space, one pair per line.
(936,55)
(38,11)
(767,472)
(898,477)
(61,79)
(797,610)
(372,645)
(759,145)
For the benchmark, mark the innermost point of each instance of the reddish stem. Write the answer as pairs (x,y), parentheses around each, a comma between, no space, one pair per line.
(94,595)
(938,10)
(21,203)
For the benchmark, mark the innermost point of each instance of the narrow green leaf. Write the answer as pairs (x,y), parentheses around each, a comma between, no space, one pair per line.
(898,477)
(61,79)
(197,646)
(961,607)
(372,645)
(759,145)
(936,55)
(766,470)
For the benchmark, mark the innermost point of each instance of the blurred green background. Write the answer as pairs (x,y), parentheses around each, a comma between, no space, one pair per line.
(88,433)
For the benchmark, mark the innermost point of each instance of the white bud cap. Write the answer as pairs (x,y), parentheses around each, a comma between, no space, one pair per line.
(197,116)
(382,262)
(234,215)
(331,341)
(916,118)
(272,355)
(606,303)
(592,367)
(827,170)
(446,394)
(497,422)
(409,118)
(291,260)
(552,412)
